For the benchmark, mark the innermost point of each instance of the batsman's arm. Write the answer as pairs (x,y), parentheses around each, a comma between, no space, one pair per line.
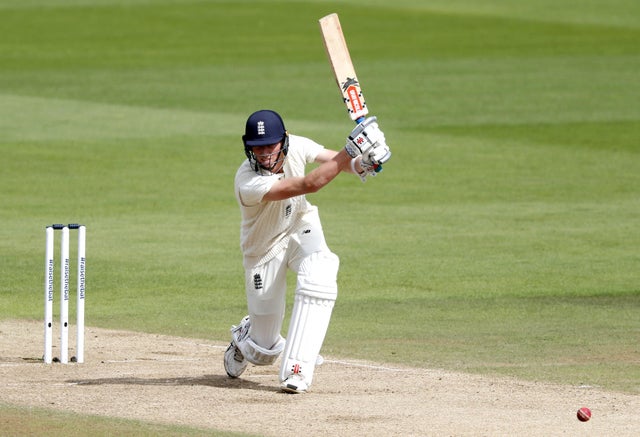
(331,164)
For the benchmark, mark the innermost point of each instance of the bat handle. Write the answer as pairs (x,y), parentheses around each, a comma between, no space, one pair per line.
(359,120)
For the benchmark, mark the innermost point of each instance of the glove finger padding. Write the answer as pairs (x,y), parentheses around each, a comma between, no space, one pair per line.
(369,167)
(378,154)
(373,158)
(363,137)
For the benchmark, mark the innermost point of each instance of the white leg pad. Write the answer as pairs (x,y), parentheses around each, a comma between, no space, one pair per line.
(318,275)
(259,355)
(252,352)
(309,324)
(314,300)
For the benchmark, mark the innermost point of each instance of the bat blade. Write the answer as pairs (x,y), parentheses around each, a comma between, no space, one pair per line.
(345,74)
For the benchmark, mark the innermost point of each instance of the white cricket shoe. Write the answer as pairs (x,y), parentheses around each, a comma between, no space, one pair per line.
(234,362)
(294,383)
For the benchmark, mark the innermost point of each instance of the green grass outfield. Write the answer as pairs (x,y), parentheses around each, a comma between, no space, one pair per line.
(503,237)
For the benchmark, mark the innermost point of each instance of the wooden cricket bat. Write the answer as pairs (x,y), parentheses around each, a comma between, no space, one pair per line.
(345,73)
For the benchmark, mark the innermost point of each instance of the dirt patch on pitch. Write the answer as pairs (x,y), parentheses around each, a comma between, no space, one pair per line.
(173,380)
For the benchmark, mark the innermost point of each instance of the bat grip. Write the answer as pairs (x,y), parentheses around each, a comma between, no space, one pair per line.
(359,120)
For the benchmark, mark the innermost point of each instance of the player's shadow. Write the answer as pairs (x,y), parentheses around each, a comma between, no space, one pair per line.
(220,381)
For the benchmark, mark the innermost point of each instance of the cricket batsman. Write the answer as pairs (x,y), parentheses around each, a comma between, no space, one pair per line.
(280,230)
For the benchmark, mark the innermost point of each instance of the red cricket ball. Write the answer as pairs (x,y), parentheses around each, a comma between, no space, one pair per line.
(584,414)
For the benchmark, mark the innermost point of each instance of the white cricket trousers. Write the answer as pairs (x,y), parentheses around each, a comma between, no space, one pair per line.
(266,286)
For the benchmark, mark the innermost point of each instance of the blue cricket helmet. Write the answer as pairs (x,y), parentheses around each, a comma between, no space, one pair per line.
(263,128)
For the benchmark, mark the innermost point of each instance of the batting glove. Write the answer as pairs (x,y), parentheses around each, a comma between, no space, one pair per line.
(364,136)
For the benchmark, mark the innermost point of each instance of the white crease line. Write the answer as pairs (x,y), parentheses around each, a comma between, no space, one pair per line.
(366,366)
(25,363)
(344,363)
(213,346)
(154,360)
(135,360)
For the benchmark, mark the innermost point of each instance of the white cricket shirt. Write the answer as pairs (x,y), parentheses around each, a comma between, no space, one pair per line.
(266,226)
